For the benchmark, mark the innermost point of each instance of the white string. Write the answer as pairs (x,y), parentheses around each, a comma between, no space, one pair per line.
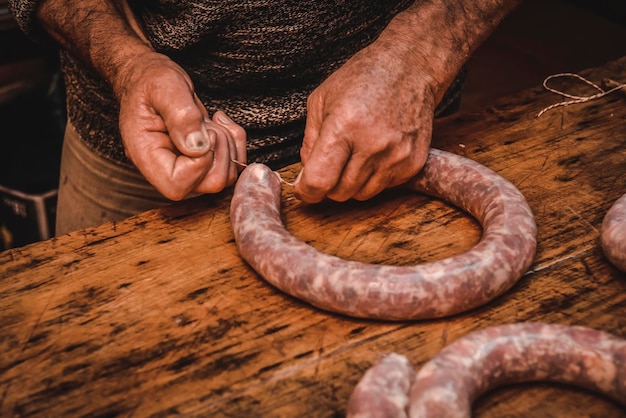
(282,180)
(576,99)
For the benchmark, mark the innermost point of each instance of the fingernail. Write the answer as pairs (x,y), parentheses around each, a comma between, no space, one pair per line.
(221,116)
(198,140)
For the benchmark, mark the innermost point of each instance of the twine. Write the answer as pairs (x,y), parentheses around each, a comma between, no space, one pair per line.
(577,99)
(282,180)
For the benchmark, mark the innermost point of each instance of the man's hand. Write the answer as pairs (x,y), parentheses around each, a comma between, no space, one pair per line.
(168,134)
(368,127)
(369,124)
(166,130)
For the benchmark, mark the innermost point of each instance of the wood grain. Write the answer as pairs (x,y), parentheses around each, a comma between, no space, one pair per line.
(159,316)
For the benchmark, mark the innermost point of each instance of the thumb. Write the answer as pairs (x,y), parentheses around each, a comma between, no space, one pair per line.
(184,117)
(195,143)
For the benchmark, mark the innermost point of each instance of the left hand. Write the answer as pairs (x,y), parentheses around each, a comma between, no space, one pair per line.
(368,127)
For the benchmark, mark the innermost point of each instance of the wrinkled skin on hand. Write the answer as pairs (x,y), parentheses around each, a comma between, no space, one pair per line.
(368,127)
(166,130)
(168,134)
(369,124)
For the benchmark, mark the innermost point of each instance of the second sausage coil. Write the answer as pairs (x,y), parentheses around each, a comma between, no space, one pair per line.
(447,385)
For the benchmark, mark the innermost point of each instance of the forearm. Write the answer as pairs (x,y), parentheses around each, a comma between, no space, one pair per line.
(102,33)
(442,34)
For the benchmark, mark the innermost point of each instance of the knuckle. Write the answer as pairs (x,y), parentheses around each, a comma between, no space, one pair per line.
(338,197)
(316,186)
(212,184)
(314,99)
(173,194)
(189,113)
(239,132)
(361,197)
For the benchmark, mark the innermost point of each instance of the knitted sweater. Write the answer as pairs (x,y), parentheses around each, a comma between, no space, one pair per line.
(257,60)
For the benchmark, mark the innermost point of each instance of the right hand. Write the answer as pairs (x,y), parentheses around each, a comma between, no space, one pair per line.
(168,134)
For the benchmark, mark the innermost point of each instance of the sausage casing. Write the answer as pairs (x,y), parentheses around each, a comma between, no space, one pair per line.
(447,385)
(613,234)
(430,290)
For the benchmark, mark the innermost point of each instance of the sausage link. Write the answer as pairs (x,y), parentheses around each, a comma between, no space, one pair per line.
(383,391)
(430,290)
(613,234)
(447,385)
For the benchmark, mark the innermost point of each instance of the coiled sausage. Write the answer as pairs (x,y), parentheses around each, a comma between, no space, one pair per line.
(613,234)
(447,385)
(430,290)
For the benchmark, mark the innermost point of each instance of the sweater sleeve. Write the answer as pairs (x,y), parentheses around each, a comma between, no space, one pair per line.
(25,14)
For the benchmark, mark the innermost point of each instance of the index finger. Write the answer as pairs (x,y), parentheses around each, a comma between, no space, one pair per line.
(324,166)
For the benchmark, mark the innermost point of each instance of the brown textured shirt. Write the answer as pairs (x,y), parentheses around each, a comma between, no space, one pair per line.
(257,60)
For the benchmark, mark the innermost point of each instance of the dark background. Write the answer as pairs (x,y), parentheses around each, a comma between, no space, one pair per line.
(542,38)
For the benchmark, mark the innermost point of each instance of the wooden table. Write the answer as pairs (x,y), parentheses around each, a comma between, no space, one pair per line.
(159,316)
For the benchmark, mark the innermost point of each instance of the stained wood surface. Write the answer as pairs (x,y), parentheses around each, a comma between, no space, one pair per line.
(159,316)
